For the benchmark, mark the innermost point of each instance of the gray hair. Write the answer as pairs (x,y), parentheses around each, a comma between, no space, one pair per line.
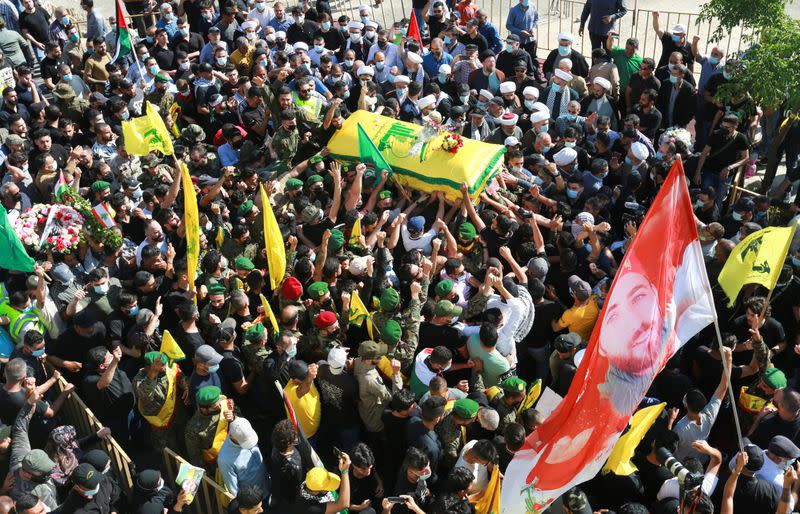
(6,188)
(16,370)
(489,419)
(238,300)
(143,317)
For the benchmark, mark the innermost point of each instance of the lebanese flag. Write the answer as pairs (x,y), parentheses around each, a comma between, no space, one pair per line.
(124,43)
(659,299)
(104,214)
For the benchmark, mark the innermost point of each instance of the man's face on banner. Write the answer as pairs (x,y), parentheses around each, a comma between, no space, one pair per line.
(629,338)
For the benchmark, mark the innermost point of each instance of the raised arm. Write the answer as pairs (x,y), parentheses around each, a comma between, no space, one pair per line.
(656,26)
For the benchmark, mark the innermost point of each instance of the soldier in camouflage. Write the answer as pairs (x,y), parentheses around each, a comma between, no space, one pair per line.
(203,426)
(151,385)
(512,392)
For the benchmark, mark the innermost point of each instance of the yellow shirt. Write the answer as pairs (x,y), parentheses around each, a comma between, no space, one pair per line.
(308,409)
(581,319)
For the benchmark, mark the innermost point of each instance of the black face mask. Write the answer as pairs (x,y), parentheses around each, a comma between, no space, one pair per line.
(17,197)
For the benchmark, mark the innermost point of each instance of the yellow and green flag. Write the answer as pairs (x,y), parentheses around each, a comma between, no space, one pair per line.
(619,462)
(757,259)
(355,233)
(273,242)
(170,347)
(147,133)
(489,502)
(534,391)
(269,314)
(359,313)
(191,223)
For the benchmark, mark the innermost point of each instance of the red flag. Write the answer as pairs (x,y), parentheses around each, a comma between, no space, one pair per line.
(413,29)
(659,299)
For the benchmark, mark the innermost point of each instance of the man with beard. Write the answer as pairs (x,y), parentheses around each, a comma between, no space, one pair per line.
(161,97)
(94,72)
(287,138)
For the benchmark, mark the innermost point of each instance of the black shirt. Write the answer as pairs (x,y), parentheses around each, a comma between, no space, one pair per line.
(541,333)
(771,425)
(339,397)
(36,23)
(652,476)
(724,151)
(164,57)
(668,46)
(418,436)
(314,232)
(49,67)
(113,402)
(707,215)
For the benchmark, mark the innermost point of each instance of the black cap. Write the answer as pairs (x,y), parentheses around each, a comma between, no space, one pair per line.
(462,89)
(84,319)
(125,84)
(457,110)
(287,114)
(512,37)
(755,456)
(567,342)
(86,476)
(97,458)
(782,446)
(478,111)
(148,480)
(486,54)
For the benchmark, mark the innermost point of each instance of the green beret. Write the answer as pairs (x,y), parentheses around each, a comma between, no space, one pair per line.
(160,77)
(313,179)
(317,290)
(208,396)
(391,332)
(774,378)
(384,194)
(465,408)
(294,184)
(254,333)
(150,357)
(315,159)
(444,288)
(390,299)
(467,231)
(217,289)
(99,185)
(513,385)
(246,207)
(243,263)
(336,241)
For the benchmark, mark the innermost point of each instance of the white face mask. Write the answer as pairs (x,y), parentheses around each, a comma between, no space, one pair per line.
(529,104)
(355,38)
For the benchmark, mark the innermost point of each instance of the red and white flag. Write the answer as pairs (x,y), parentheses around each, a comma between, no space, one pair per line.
(659,299)
(104,214)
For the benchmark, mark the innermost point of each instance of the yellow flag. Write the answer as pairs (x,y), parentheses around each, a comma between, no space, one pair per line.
(191,223)
(355,233)
(619,462)
(147,133)
(534,391)
(359,313)
(170,347)
(489,502)
(269,314)
(757,259)
(273,242)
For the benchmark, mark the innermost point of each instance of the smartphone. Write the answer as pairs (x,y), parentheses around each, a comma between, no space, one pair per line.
(395,499)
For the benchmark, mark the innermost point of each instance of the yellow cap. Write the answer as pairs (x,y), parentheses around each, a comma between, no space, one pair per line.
(319,479)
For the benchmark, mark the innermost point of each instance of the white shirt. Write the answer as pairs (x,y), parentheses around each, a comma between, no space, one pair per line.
(423,242)
(392,55)
(481,473)
(263,18)
(688,431)
(671,488)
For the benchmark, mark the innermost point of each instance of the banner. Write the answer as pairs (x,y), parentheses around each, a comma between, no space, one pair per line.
(146,133)
(416,162)
(273,242)
(659,299)
(191,224)
(619,462)
(14,256)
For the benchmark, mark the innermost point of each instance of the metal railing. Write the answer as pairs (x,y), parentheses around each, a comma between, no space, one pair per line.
(557,16)
(210,498)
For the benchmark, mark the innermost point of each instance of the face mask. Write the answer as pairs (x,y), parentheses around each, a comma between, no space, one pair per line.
(144,56)
(134,311)
(222,61)
(326,25)
(698,204)
(604,175)
(349,62)
(74,38)
(673,79)
(184,65)
(390,78)
(572,194)
(442,78)
(628,161)
(726,75)
(516,169)
(676,39)
(355,38)
(464,99)
(209,226)
(125,115)
(447,40)
(263,63)
(149,39)
(509,48)
(169,17)
(38,353)
(545,128)
(564,50)
(91,493)
(567,144)
(208,16)
(365,19)
(319,48)
(538,180)
(213,369)
(379,66)
(103,289)
(796,261)
(346,94)
(291,352)
(401,95)
(185,32)
(556,87)
(64,20)
(736,216)
(154,69)
(425,476)
(713,61)
(300,19)
(67,77)
(261,6)
(659,154)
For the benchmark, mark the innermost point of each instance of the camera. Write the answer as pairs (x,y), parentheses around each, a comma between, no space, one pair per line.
(686,478)
(633,212)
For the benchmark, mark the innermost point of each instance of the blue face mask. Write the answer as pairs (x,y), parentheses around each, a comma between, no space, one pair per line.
(390,78)
(659,155)
(480,104)
(525,3)
(604,175)
(509,48)
(556,87)
(572,194)
(564,50)
(291,352)
(544,128)
(134,311)
(447,40)
(442,78)
(91,493)
(628,161)
(213,369)
(67,77)
(319,48)
(673,79)
(546,149)
(735,215)
(713,61)
(568,144)
(64,20)
(349,63)
(379,66)
(37,353)
(726,75)
(126,115)
(346,94)
(796,261)
(149,39)
(326,25)
(154,69)
(676,39)
(571,117)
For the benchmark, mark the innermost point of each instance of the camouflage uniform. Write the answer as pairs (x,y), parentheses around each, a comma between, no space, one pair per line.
(151,395)
(315,345)
(151,180)
(200,432)
(232,250)
(253,356)
(473,260)
(475,306)
(285,144)
(408,317)
(163,100)
(127,167)
(451,438)
(507,414)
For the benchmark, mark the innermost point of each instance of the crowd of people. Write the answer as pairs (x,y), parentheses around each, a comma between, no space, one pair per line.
(471,302)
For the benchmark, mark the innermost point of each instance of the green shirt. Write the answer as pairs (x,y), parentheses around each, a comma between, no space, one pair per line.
(494,364)
(626,66)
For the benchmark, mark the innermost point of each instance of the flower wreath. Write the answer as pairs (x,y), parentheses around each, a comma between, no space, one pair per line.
(63,237)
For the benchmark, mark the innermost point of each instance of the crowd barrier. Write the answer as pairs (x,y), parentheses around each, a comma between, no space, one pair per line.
(557,16)
(210,497)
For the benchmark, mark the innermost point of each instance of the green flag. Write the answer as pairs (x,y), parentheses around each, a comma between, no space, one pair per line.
(13,256)
(369,154)
(124,43)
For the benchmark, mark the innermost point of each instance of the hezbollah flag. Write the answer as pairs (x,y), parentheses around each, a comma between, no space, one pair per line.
(269,314)
(124,43)
(534,392)
(757,259)
(489,502)
(359,313)
(146,133)
(660,298)
(191,223)
(355,233)
(619,462)
(170,348)
(13,256)
(273,242)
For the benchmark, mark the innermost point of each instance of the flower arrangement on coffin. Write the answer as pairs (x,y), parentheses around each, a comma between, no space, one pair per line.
(452,142)
(108,236)
(430,129)
(673,134)
(63,233)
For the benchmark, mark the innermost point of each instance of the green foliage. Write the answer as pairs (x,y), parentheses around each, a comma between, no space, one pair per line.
(109,237)
(734,13)
(768,70)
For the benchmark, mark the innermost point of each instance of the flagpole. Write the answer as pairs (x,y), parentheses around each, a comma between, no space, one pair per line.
(727,373)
